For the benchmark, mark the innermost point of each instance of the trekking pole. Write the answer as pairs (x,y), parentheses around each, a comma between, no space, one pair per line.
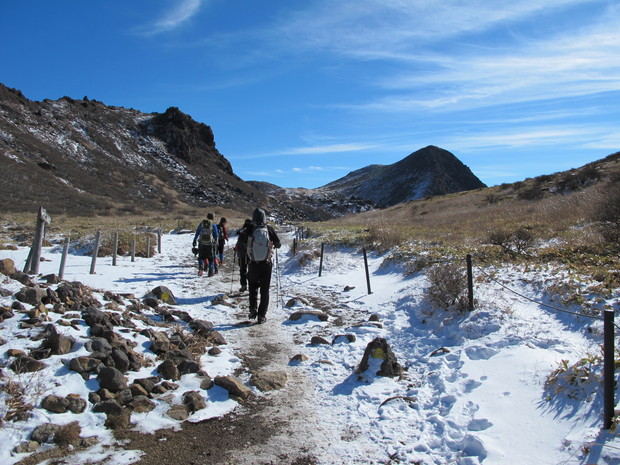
(232,277)
(278,280)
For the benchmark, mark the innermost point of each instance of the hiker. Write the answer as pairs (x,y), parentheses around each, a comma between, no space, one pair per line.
(261,240)
(241,247)
(222,238)
(206,237)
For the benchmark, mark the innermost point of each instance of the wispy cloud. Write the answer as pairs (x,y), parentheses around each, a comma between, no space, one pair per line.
(174,18)
(310,150)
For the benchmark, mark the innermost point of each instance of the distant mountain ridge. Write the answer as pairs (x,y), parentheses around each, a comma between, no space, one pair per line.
(86,158)
(427,172)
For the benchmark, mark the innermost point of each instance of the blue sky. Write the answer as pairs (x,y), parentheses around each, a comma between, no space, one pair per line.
(299,93)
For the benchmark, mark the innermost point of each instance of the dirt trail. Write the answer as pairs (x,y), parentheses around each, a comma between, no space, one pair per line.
(267,429)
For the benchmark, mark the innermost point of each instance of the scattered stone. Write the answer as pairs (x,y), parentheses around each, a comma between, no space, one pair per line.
(109,407)
(26,364)
(374,317)
(348,288)
(178,412)
(216,338)
(234,386)
(299,358)
(207,382)
(214,351)
(316,340)
(84,364)
(51,278)
(193,401)
(32,295)
(164,294)
(380,349)
(137,390)
(322,316)
(7,267)
(141,404)
(117,421)
(440,351)
(346,338)
(268,380)
(295,301)
(55,404)
(148,383)
(221,300)
(201,327)
(44,432)
(168,370)
(26,447)
(112,379)
(76,403)
(159,342)
(152,302)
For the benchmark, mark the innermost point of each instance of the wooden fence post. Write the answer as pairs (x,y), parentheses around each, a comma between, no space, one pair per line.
(321,262)
(470,284)
(608,368)
(148,245)
(63,260)
(95,252)
(133,250)
(367,273)
(34,257)
(159,241)
(115,249)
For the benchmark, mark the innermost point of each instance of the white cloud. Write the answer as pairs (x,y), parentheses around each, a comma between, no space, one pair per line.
(173,18)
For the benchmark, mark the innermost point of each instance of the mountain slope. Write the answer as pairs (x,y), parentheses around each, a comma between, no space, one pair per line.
(427,172)
(85,157)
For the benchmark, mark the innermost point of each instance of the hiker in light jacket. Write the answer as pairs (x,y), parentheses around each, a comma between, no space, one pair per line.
(261,241)
(206,237)
(221,239)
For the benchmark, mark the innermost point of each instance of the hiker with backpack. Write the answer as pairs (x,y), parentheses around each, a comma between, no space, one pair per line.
(241,248)
(206,238)
(222,238)
(261,241)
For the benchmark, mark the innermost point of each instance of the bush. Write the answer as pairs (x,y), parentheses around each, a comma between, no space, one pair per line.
(448,286)
(517,241)
(607,213)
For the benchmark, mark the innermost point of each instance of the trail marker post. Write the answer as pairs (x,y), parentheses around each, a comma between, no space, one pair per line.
(321,261)
(470,284)
(367,272)
(63,260)
(95,252)
(608,368)
(34,257)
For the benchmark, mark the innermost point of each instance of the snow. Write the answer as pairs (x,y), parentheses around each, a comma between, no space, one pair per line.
(473,391)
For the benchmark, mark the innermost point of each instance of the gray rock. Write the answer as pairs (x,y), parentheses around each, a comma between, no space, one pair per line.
(201,327)
(141,404)
(296,316)
(380,349)
(168,370)
(346,338)
(26,364)
(55,404)
(193,401)
(159,342)
(164,294)
(316,340)
(111,379)
(108,407)
(178,412)
(44,433)
(26,447)
(268,380)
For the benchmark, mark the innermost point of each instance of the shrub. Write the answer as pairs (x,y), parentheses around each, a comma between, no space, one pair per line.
(448,286)
(607,213)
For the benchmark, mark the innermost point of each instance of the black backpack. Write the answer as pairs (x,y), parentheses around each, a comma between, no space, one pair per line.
(206,233)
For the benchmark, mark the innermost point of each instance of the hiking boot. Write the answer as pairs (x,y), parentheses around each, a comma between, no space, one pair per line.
(253,314)
(262,319)
(200,271)
(243,288)
(210,272)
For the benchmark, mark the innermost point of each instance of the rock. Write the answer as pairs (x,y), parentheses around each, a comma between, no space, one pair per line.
(117,421)
(26,364)
(268,380)
(23,278)
(348,288)
(178,412)
(221,300)
(234,386)
(380,349)
(193,401)
(188,366)
(164,294)
(374,317)
(206,382)
(216,338)
(26,447)
(121,361)
(141,404)
(5,292)
(51,279)
(84,364)
(295,316)
(108,407)
(99,344)
(201,327)
(316,340)
(55,404)
(32,295)
(110,296)
(112,379)
(214,351)
(148,383)
(15,353)
(76,403)
(7,267)
(58,343)
(159,342)
(299,358)
(124,397)
(137,390)
(168,370)
(295,301)
(346,338)
(44,432)
(151,302)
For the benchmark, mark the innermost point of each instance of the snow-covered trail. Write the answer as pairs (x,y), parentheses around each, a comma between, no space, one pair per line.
(473,390)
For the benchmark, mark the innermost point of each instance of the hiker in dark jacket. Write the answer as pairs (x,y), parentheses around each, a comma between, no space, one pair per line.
(261,240)
(206,237)
(221,239)
(241,247)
